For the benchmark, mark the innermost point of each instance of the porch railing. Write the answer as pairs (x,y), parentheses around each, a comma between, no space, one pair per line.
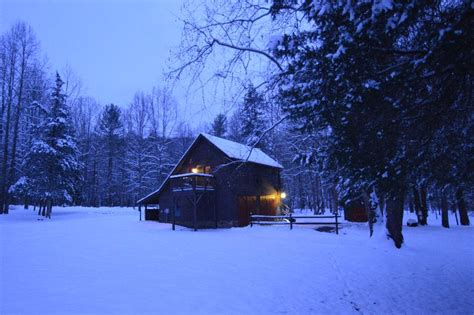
(192,182)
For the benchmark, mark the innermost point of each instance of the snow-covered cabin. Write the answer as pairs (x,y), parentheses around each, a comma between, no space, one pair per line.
(217,183)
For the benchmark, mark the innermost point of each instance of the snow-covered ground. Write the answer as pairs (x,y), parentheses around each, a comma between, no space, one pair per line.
(98,261)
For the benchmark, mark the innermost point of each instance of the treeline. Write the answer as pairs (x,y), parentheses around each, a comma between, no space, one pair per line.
(128,153)
(59,147)
(117,154)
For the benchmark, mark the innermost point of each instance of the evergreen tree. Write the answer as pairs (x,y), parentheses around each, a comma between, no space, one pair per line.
(234,127)
(219,126)
(52,167)
(389,83)
(111,132)
(252,115)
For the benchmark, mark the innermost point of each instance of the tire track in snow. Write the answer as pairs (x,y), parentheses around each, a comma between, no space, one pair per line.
(347,292)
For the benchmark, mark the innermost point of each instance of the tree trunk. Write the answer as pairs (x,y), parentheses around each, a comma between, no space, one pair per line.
(370,209)
(49,208)
(417,204)
(109,179)
(444,211)
(4,180)
(43,212)
(4,98)
(334,200)
(410,204)
(382,205)
(462,207)
(94,198)
(424,205)
(395,217)
(419,198)
(3,183)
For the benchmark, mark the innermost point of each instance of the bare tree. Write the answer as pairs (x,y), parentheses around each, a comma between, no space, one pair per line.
(27,55)
(163,112)
(85,114)
(11,53)
(137,121)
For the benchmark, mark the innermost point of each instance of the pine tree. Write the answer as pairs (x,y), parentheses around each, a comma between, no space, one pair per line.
(252,115)
(52,163)
(219,126)
(111,132)
(391,84)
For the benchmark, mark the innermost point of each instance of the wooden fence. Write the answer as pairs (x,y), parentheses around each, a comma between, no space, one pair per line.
(294,220)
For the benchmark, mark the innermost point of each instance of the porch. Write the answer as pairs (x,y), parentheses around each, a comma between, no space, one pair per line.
(192,187)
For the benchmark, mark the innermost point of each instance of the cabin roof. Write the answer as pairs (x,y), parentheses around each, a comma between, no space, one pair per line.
(239,151)
(231,149)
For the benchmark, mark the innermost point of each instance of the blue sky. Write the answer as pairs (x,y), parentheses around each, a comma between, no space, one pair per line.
(116,47)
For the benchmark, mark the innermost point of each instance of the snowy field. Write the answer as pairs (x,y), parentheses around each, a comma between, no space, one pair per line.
(104,261)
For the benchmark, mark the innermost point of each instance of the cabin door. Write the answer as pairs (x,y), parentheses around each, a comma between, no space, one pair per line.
(246,205)
(268,205)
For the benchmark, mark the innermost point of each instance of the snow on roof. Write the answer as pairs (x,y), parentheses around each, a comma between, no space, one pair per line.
(239,151)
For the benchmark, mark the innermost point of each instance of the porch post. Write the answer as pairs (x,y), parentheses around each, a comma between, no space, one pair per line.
(215,209)
(140,210)
(257,204)
(195,212)
(174,213)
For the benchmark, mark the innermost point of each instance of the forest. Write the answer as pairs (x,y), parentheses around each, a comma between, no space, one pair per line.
(368,101)
(121,152)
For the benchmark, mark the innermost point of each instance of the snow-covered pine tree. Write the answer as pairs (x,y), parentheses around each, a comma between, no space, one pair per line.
(111,132)
(219,126)
(252,115)
(52,167)
(389,82)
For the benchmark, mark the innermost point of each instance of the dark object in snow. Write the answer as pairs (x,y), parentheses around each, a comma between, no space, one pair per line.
(217,183)
(412,223)
(326,229)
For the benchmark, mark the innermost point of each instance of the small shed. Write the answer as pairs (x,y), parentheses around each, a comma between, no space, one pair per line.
(217,183)
(355,211)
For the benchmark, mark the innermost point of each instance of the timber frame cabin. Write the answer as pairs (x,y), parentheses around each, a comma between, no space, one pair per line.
(217,183)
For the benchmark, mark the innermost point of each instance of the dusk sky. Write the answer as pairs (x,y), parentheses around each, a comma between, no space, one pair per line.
(115,47)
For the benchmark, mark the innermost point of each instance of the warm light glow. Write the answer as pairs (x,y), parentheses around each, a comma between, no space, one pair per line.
(283,195)
(194,170)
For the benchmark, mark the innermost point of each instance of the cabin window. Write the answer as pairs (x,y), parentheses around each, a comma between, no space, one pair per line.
(177,212)
(200,169)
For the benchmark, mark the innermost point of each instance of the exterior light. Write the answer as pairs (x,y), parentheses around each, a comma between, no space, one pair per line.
(283,195)
(194,170)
